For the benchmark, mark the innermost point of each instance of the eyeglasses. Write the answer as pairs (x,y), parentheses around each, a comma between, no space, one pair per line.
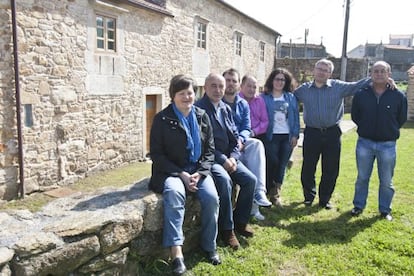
(323,70)
(381,71)
(279,79)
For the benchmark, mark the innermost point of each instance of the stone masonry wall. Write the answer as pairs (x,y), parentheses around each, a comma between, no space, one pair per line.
(88,107)
(108,232)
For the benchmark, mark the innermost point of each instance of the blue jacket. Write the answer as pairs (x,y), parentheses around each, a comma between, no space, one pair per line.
(379,119)
(241,116)
(225,136)
(292,116)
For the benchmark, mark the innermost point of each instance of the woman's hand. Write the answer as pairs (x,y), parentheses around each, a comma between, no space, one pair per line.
(190,181)
(293,142)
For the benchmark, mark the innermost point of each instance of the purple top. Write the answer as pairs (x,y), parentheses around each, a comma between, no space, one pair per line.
(258,115)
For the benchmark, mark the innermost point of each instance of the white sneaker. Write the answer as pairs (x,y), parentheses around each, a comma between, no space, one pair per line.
(255,212)
(261,199)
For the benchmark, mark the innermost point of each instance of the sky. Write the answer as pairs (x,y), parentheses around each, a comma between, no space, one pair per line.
(370,21)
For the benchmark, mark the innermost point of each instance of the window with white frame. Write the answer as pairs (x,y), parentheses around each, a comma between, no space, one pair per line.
(238,43)
(262,51)
(105,33)
(201,34)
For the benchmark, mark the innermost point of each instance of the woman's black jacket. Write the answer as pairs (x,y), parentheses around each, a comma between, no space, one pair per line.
(168,147)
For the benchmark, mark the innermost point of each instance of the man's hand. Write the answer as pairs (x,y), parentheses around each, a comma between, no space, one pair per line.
(230,165)
(240,145)
(392,83)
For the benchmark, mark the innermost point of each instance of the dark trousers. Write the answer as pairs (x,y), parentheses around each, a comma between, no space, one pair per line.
(278,152)
(316,143)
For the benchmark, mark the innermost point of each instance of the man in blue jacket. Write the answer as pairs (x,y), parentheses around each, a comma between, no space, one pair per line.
(379,113)
(252,152)
(227,167)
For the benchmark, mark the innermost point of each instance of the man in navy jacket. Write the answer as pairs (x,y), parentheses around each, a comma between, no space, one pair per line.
(379,113)
(228,170)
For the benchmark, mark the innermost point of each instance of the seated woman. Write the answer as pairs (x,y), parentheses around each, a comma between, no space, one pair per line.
(182,152)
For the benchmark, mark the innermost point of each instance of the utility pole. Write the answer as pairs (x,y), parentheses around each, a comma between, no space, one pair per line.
(306,42)
(344,42)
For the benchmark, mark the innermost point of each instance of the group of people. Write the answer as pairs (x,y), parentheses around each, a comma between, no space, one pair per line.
(232,135)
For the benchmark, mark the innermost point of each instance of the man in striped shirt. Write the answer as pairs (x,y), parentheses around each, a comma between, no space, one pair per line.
(323,108)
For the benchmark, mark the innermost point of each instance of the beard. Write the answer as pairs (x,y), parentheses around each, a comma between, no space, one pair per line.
(230,91)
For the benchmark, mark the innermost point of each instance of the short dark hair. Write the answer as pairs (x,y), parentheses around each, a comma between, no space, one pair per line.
(180,82)
(232,71)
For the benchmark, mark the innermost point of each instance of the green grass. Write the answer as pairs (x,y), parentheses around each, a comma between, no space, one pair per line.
(402,86)
(307,241)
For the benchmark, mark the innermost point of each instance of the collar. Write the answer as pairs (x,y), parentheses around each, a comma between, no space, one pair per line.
(327,84)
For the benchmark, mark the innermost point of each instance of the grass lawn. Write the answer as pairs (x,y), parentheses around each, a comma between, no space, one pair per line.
(299,240)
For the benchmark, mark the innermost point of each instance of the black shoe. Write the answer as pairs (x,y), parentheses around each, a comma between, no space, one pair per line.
(307,203)
(356,211)
(178,266)
(214,257)
(327,205)
(386,216)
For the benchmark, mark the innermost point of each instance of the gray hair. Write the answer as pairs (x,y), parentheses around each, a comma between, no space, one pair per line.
(326,62)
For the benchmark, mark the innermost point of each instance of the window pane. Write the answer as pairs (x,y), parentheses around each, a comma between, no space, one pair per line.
(111,34)
(100,44)
(111,24)
(111,45)
(99,21)
(28,115)
(99,33)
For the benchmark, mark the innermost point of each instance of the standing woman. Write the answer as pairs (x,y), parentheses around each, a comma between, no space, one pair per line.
(283,130)
(182,151)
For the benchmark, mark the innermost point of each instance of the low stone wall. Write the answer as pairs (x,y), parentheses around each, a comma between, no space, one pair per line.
(107,232)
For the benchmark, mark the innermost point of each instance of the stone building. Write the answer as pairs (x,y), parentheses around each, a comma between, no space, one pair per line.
(92,74)
(301,50)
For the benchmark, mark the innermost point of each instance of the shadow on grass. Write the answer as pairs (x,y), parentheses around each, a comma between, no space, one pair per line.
(297,220)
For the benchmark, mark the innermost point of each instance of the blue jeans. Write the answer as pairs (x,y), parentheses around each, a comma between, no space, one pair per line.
(174,196)
(278,152)
(366,153)
(224,183)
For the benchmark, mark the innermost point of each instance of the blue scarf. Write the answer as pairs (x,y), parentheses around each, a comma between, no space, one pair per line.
(190,125)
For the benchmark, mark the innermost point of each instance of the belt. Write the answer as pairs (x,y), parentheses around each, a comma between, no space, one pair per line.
(323,129)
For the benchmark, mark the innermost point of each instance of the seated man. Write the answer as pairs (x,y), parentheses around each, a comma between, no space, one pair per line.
(227,167)
(252,149)
(259,122)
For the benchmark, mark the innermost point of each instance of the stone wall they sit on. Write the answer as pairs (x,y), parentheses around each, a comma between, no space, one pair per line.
(107,232)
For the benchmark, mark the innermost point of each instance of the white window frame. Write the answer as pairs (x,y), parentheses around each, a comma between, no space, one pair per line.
(201,33)
(106,33)
(262,46)
(238,40)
